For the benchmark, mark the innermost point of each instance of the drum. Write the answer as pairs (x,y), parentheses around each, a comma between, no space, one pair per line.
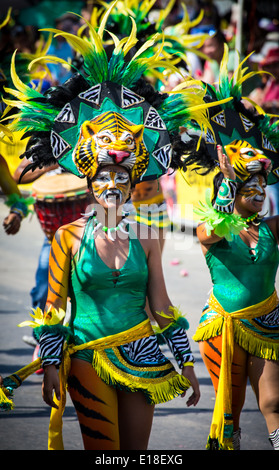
(60,199)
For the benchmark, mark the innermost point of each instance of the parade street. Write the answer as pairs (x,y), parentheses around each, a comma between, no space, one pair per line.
(175,426)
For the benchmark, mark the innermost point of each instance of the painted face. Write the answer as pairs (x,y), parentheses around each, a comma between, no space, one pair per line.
(254,189)
(111,186)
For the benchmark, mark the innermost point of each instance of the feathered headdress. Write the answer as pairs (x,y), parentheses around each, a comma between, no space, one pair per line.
(233,123)
(109,94)
(178,38)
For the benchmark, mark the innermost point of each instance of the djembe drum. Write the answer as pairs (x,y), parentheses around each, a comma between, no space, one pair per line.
(60,199)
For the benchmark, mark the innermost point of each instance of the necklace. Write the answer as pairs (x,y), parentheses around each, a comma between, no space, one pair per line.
(109,231)
(249,219)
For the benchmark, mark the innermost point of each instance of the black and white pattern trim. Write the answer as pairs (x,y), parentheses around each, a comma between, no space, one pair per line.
(51,349)
(145,350)
(274,439)
(270,320)
(58,145)
(163,155)
(66,115)
(179,345)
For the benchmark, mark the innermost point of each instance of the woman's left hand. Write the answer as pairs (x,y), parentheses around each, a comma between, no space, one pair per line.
(189,373)
(225,166)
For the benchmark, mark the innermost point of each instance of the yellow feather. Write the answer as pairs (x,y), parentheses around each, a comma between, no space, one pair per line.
(224,61)
(7,132)
(16,80)
(104,20)
(132,40)
(198,19)
(256,106)
(49,59)
(146,45)
(7,19)
(78,44)
(164,13)
(115,40)
(251,74)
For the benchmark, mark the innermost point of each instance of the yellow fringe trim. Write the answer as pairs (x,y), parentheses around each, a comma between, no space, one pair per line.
(6,403)
(249,340)
(55,440)
(228,324)
(255,344)
(163,389)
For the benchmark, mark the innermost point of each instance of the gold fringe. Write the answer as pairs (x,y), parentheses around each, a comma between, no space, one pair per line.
(5,402)
(232,329)
(255,344)
(163,389)
(17,378)
(209,330)
(252,343)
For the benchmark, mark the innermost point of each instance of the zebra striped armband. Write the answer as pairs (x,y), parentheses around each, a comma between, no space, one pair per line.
(51,349)
(175,336)
(178,342)
(225,198)
(51,340)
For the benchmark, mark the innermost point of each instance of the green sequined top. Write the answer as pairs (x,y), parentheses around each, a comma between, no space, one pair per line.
(242,277)
(106,301)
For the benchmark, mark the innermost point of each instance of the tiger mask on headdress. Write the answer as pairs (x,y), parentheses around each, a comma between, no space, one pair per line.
(110,139)
(247,160)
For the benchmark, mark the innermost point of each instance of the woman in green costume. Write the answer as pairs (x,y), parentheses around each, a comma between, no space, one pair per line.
(238,332)
(112,265)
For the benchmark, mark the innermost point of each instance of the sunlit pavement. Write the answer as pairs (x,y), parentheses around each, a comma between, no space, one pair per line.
(175,426)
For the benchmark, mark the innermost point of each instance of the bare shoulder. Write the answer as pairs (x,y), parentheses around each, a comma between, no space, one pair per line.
(273,224)
(147,237)
(204,238)
(71,234)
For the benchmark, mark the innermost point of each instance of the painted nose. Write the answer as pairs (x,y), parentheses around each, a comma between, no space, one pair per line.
(118,155)
(265,162)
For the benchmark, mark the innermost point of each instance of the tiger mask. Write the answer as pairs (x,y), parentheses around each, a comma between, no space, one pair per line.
(110,139)
(246,160)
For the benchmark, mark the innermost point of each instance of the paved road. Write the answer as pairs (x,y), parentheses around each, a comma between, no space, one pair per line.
(175,427)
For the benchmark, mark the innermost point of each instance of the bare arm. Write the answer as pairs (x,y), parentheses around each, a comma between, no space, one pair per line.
(159,301)
(59,268)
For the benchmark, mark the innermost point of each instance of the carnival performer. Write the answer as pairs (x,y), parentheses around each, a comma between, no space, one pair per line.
(108,125)
(238,331)
(243,304)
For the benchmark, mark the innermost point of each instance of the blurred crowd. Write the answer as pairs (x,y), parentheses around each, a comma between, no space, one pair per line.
(259,34)
(246,24)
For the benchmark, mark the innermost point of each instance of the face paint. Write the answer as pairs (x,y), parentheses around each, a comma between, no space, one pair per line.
(254,189)
(111,186)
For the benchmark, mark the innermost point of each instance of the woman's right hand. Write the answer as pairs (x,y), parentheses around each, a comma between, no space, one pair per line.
(189,374)
(225,166)
(51,384)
